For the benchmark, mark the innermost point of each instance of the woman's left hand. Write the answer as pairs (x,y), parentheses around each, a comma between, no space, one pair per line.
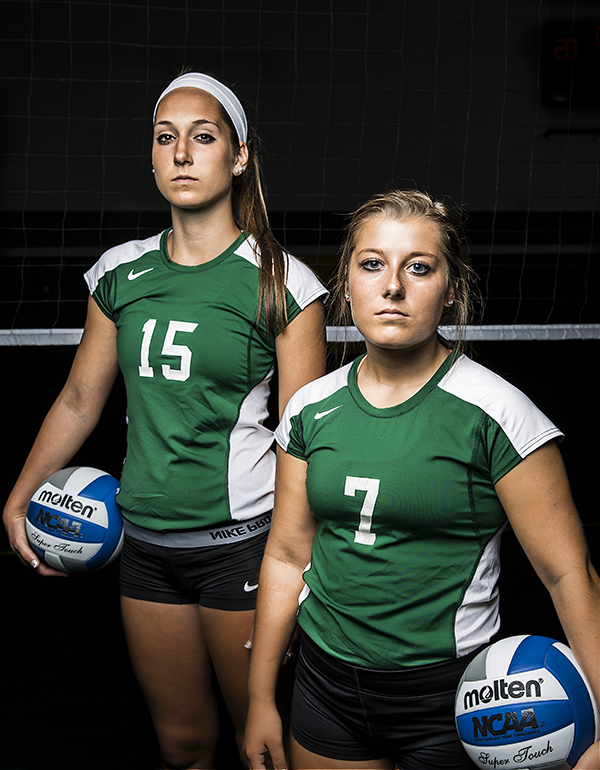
(590,760)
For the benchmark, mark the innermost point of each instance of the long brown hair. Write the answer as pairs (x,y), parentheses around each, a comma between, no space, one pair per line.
(250,214)
(413,204)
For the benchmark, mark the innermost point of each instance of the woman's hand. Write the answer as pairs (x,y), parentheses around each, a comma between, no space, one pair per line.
(590,760)
(263,745)
(14,522)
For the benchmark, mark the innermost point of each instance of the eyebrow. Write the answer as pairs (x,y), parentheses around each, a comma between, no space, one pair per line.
(199,122)
(371,250)
(381,252)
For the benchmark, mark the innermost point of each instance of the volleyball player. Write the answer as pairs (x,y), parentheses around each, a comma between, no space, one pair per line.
(197,318)
(396,476)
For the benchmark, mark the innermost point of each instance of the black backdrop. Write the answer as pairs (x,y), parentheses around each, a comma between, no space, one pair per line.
(349,96)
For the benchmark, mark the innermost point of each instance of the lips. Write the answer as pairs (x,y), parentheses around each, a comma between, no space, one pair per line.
(393,312)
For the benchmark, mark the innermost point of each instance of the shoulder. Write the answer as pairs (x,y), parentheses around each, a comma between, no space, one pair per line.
(316,397)
(478,385)
(301,281)
(524,424)
(119,255)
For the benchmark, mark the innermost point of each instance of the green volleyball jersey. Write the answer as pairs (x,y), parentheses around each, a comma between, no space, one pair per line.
(405,560)
(197,368)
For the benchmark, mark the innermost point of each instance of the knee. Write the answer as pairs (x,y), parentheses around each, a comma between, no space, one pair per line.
(179,752)
(181,761)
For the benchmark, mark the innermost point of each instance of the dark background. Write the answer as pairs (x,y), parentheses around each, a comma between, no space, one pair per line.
(492,103)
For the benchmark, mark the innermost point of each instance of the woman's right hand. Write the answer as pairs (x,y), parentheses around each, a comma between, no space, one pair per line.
(263,744)
(67,425)
(14,523)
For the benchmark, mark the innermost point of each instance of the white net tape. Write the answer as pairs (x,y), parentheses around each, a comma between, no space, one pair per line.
(515,333)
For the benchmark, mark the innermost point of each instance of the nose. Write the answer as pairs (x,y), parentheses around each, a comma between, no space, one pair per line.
(393,285)
(182,154)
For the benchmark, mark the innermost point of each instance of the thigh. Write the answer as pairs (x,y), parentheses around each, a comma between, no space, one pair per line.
(450,756)
(226,633)
(172,664)
(303,759)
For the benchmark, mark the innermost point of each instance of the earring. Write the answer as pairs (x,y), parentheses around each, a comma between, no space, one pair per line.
(153,170)
(238,171)
(450,302)
(347,296)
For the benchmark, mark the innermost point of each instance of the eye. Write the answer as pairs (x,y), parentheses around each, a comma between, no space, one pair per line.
(419,268)
(370,264)
(164,138)
(204,138)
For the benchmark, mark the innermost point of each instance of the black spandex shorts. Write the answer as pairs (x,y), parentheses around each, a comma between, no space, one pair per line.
(357,714)
(224,577)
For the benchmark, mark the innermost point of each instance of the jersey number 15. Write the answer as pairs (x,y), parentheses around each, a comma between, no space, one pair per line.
(169,348)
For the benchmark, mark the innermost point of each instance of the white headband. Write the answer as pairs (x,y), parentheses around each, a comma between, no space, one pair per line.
(223,94)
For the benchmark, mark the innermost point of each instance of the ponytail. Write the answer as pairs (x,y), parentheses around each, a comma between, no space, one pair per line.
(250,214)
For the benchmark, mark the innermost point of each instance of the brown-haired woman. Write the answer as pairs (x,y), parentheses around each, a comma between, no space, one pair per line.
(396,477)
(197,318)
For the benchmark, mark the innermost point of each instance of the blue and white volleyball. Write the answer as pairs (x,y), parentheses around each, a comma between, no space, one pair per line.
(73,522)
(524,703)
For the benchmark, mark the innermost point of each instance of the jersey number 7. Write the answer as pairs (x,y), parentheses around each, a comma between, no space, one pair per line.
(363,534)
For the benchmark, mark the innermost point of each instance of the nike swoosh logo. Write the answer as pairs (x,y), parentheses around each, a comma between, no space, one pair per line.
(318,415)
(248,587)
(132,276)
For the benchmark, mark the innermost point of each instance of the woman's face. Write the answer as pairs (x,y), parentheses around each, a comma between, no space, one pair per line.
(192,155)
(398,282)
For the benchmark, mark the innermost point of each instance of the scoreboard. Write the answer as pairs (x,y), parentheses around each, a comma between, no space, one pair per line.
(571,65)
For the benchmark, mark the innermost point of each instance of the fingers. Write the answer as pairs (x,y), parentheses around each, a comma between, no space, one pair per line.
(40,567)
(590,759)
(279,763)
(264,738)
(46,571)
(19,543)
(264,761)
(20,546)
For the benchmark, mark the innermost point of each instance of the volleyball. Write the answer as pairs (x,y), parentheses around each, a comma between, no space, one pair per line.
(524,702)
(73,522)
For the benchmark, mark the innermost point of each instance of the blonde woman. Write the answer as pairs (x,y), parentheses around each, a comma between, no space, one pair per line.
(396,476)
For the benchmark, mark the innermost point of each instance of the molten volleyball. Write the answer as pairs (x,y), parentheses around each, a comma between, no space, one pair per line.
(524,703)
(73,522)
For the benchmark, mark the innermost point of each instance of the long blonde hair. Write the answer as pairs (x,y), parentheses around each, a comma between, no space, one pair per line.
(413,204)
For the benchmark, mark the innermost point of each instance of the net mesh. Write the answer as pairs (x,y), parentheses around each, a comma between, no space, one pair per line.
(492,104)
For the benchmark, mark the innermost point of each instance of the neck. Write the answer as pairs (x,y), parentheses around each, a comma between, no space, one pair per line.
(200,236)
(389,377)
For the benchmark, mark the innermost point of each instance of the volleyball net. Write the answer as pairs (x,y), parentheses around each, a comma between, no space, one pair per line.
(495,105)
